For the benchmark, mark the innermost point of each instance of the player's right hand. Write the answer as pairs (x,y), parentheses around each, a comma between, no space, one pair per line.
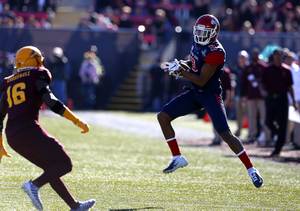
(83,126)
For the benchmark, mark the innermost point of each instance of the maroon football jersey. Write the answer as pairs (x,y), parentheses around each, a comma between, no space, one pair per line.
(22,98)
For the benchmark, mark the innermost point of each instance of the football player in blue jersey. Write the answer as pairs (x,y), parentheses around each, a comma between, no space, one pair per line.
(203,69)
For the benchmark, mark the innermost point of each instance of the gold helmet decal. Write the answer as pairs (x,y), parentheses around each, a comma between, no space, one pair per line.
(28,56)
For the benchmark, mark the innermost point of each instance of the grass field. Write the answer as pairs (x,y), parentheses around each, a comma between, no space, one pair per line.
(123,172)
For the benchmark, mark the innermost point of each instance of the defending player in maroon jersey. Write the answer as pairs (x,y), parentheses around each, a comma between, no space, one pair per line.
(203,69)
(22,96)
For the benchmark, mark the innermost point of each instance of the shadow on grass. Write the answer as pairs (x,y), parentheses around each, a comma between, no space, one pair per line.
(284,159)
(135,209)
(259,152)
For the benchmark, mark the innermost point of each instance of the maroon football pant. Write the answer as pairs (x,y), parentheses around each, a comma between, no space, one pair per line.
(34,144)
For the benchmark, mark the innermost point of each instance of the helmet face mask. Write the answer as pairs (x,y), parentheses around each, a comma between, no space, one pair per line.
(28,56)
(206,29)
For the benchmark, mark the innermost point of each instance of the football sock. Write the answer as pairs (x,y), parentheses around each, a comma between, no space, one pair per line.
(245,159)
(173,146)
(63,192)
(51,173)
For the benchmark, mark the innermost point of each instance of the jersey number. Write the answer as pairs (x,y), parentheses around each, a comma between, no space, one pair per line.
(16,94)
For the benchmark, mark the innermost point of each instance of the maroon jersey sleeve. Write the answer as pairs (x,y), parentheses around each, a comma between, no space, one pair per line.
(215,57)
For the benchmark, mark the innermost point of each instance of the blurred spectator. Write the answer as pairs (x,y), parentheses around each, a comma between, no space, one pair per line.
(237,15)
(157,90)
(60,70)
(3,65)
(277,81)
(19,22)
(267,20)
(125,21)
(90,73)
(162,28)
(251,89)
(291,61)
(97,21)
(33,5)
(22,14)
(6,64)
(242,62)
(200,7)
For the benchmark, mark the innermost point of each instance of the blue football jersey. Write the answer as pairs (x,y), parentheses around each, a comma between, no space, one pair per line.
(212,53)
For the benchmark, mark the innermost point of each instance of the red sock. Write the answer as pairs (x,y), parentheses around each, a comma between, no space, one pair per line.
(245,159)
(173,146)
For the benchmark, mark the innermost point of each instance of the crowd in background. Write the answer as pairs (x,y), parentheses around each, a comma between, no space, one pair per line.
(157,19)
(27,13)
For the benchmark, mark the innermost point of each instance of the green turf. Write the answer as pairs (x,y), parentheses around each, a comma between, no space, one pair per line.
(122,171)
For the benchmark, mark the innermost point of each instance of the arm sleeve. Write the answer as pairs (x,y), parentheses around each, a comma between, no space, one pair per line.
(48,97)
(215,58)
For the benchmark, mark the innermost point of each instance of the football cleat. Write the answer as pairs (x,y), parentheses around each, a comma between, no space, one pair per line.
(32,192)
(85,205)
(256,178)
(176,162)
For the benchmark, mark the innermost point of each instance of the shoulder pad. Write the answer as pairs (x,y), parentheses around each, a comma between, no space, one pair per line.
(44,74)
(215,57)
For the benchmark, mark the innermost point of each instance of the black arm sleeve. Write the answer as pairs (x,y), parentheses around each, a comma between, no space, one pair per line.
(48,97)
(3,111)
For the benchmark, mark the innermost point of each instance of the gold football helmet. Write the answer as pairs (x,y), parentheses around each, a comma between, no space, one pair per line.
(28,56)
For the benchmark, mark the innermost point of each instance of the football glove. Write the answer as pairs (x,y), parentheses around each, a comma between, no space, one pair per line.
(184,65)
(173,68)
(68,114)
(2,149)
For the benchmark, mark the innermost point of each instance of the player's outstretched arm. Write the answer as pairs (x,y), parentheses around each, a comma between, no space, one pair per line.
(68,114)
(207,72)
(58,107)
(2,116)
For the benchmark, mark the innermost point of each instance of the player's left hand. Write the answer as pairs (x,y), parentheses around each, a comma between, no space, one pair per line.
(2,150)
(173,68)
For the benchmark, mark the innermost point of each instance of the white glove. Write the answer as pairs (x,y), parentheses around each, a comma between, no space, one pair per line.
(173,68)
